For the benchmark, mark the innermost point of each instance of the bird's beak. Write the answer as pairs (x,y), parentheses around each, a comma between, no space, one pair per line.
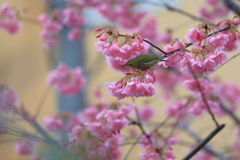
(124,65)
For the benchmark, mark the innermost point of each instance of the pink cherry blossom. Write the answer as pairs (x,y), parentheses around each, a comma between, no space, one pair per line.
(169,155)
(126,109)
(148,156)
(149,31)
(175,58)
(65,80)
(176,109)
(8,20)
(132,89)
(74,34)
(87,115)
(117,64)
(218,41)
(232,44)
(194,35)
(75,135)
(100,130)
(53,123)
(24,147)
(8,99)
(204,86)
(165,37)
(171,141)
(146,112)
(71,17)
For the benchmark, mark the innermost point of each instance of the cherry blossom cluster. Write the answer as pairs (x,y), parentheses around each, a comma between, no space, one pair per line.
(117,52)
(209,52)
(52,24)
(65,80)
(217,10)
(8,99)
(9,19)
(135,84)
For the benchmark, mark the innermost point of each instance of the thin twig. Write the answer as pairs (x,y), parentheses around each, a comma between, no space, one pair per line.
(171,8)
(230,113)
(170,116)
(233,57)
(203,96)
(41,102)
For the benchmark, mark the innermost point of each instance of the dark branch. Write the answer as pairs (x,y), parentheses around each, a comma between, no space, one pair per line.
(203,142)
(233,6)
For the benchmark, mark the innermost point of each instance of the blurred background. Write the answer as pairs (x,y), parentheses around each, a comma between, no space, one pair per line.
(24,65)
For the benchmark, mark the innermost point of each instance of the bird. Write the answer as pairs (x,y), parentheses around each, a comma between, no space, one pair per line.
(143,62)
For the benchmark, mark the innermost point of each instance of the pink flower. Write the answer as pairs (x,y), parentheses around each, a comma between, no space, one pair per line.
(205,86)
(232,44)
(100,130)
(87,115)
(165,37)
(65,80)
(209,65)
(74,34)
(171,141)
(176,109)
(194,35)
(197,108)
(72,18)
(148,156)
(119,124)
(148,30)
(169,155)
(218,41)
(146,112)
(176,57)
(24,147)
(236,145)
(75,135)
(166,78)
(117,64)
(8,99)
(53,123)
(124,110)
(48,24)
(8,20)
(132,89)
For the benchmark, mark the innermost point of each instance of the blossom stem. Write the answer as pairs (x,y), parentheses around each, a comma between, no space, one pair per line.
(203,96)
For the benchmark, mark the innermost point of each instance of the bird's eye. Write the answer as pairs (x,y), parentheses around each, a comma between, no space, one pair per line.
(129,62)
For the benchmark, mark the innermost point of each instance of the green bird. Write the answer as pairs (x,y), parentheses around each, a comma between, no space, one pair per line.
(143,62)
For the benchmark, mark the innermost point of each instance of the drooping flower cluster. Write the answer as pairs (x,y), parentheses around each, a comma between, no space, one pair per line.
(135,84)
(65,80)
(101,134)
(208,53)
(116,54)
(9,19)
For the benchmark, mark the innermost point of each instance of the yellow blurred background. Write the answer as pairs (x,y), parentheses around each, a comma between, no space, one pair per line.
(24,65)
